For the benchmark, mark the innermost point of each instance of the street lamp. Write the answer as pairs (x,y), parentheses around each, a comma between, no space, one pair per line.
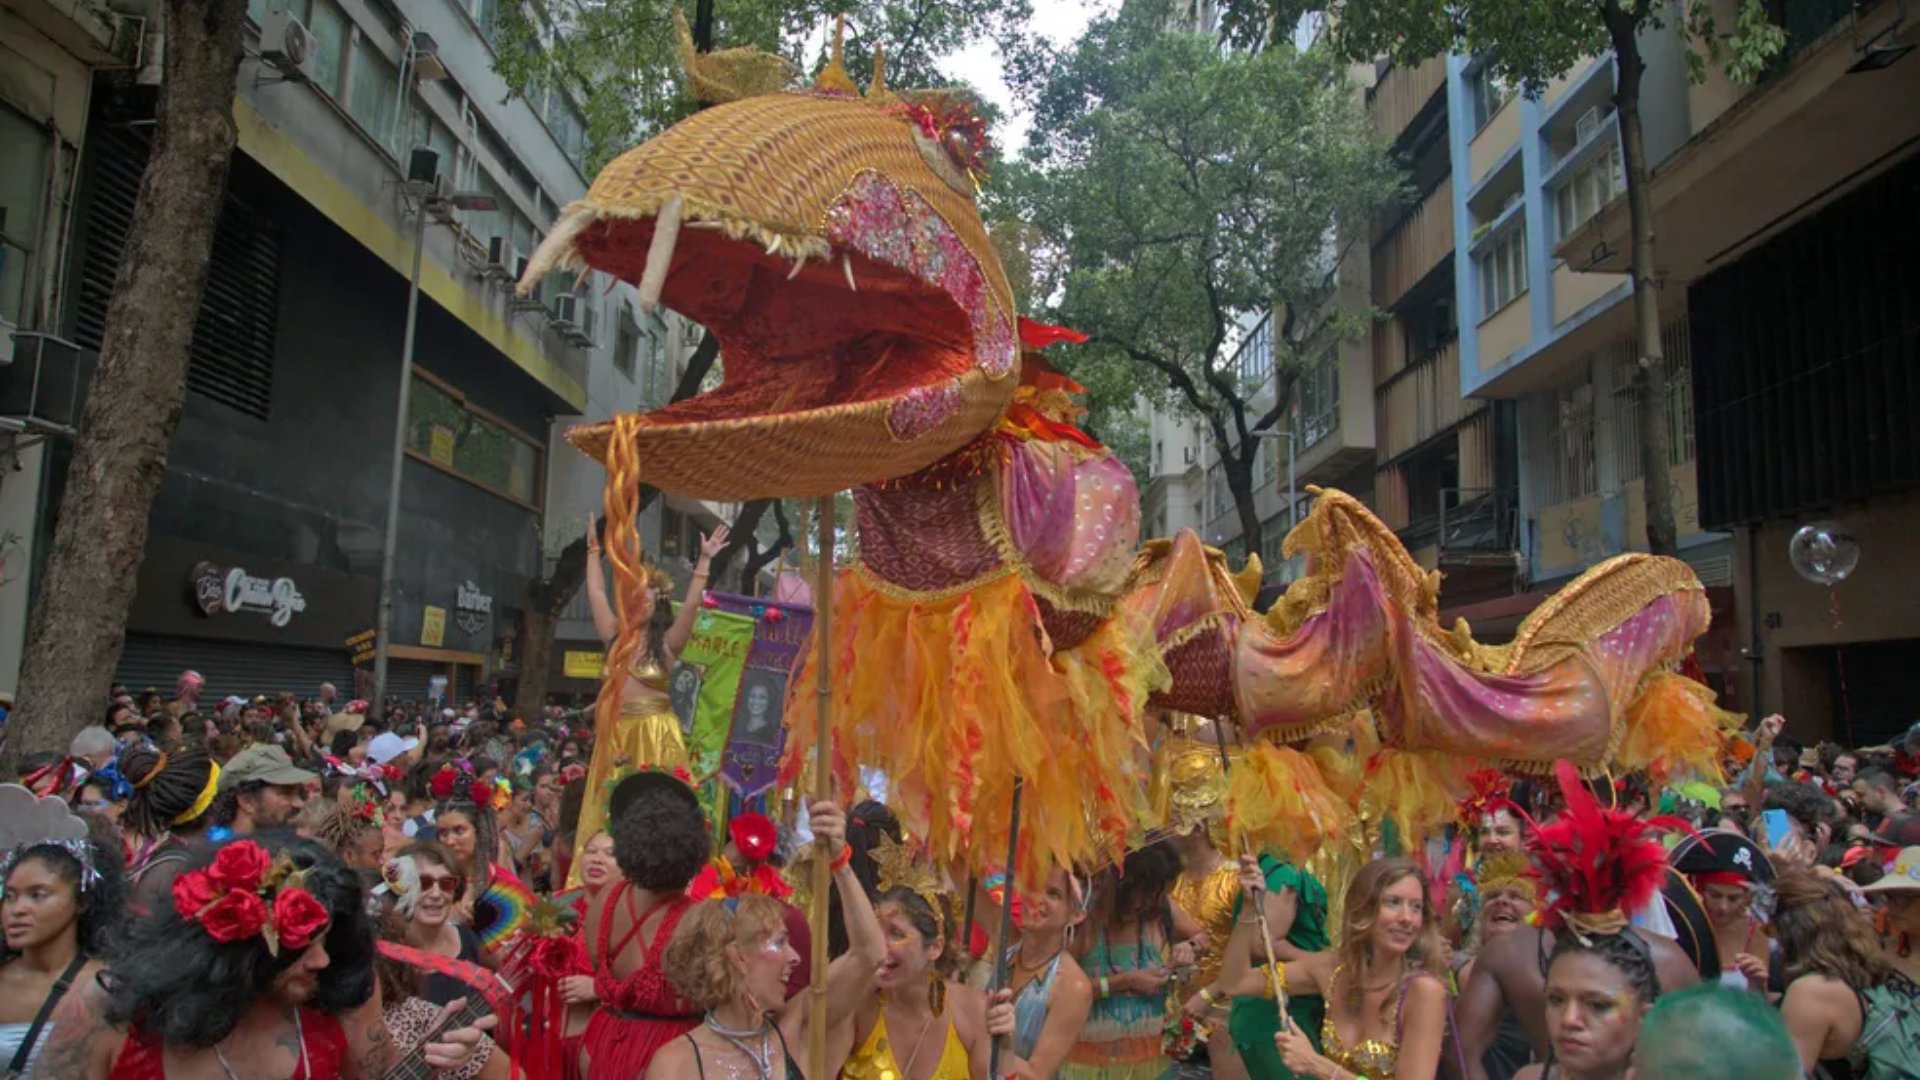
(424,189)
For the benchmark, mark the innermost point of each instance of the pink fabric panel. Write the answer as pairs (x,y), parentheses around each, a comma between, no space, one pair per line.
(1310,676)
(1077,522)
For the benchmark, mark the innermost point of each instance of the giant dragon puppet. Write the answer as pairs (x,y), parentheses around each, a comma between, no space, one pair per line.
(1001,620)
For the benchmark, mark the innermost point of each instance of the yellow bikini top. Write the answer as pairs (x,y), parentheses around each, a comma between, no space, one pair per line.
(649,674)
(874,1059)
(1372,1058)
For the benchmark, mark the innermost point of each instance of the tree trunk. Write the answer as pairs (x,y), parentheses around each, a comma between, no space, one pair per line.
(536,659)
(1650,378)
(701,362)
(134,402)
(546,598)
(739,535)
(759,560)
(1240,485)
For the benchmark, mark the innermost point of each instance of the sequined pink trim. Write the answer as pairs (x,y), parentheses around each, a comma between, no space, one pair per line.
(901,229)
(922,409)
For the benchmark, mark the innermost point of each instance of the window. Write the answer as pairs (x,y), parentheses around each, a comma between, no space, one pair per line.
(568,127)
(1591,187)
(1269,455)
(445,430)
(1503,270)
(1219,496)
(486,13)
(626,349)
(329,28)
(1256,356)
(1490,92)
(1159,456)
(1319,396)
(23,177)
(376,86)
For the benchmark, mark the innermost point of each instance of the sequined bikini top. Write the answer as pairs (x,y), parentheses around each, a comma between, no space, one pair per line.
(1372,1058)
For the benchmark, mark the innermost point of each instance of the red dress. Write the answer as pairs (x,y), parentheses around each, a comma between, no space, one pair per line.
(142,1057)
(642,1012)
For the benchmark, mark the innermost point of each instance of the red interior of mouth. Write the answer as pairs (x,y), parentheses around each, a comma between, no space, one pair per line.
(793,345)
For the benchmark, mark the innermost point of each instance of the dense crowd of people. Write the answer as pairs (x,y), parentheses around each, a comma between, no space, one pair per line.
(262,888)
(277,889)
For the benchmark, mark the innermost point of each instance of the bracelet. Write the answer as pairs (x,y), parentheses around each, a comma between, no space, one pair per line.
(1105,989)
(1206,995)
(841,860)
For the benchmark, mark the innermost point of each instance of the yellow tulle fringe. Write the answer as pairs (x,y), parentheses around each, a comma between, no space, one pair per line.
(1416,792)
(1277,800)
(1675,731)
(955,697)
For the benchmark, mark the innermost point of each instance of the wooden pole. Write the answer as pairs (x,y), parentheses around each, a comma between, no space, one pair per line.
(822,780)
(1259,899)
(1006,917)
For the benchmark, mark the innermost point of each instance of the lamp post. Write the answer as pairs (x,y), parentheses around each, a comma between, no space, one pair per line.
(426,201)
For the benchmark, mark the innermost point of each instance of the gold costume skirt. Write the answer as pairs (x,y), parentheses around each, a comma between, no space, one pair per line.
(648,733)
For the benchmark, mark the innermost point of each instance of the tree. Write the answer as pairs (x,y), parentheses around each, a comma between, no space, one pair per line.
(619,60)
(1532,44)
(134,401)
(1186,191)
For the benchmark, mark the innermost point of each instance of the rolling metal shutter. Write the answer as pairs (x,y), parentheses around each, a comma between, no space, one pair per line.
(233,334)
(231,667)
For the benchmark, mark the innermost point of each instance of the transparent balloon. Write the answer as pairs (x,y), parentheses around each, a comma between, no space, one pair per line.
(1824,552)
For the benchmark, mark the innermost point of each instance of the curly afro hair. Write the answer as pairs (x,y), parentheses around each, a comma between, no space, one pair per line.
(660,839)
(103,904)
(185,989)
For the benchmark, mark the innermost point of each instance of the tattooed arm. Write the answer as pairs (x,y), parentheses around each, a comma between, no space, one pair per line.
(82,1045)
(371,1050)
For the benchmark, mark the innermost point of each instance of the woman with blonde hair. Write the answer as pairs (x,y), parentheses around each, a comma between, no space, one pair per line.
(1386,1012)
(732,958)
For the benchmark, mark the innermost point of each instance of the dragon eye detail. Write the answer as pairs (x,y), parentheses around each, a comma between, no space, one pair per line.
(951,137)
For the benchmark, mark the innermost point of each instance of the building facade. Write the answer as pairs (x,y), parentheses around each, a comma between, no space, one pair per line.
(266,536)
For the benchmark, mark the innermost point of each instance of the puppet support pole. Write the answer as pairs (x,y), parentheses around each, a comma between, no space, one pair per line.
(822,779)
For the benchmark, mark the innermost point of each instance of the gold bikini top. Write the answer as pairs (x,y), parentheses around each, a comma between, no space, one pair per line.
(649,674)
(1372,1058)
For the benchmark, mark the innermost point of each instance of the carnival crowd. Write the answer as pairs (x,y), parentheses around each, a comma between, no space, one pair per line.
(265,889)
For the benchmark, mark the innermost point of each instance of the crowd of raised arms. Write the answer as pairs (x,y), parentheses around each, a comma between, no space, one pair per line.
(260,890)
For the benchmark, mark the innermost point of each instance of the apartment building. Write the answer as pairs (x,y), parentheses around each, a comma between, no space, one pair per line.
(1786,223)
(1446,476)
(278,472)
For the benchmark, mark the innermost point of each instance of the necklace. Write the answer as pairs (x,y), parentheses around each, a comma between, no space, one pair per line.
(1020,958)
(914,1054)
(299,1032)
(762,1058)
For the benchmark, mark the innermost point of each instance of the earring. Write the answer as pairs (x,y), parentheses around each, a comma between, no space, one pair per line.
(937,993)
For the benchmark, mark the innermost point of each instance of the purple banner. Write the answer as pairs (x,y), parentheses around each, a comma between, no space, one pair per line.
(751,760)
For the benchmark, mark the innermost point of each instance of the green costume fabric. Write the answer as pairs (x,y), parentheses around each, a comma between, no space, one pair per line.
(1255,1021)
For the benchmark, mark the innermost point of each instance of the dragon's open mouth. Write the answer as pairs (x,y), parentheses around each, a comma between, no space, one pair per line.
(835,368)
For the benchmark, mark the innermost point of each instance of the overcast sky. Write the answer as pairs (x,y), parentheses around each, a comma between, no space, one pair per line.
(1060,21)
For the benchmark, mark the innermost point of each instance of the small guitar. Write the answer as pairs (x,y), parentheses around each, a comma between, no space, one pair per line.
(413,1062)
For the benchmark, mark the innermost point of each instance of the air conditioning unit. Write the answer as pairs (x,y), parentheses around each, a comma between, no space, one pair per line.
(287,44)
(503,260)
(1587,125)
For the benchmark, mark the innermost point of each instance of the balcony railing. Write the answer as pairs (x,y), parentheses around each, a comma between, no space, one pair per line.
(1402,92)
(1412,248)
(1423,401)
(1478,521)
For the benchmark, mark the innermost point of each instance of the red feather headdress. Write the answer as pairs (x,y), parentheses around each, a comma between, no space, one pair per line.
(1597,864)
(1488,790)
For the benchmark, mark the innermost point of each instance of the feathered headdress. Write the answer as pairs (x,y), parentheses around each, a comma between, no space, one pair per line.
(1597,864)
(1488,790)
(901,868)
(1507,869)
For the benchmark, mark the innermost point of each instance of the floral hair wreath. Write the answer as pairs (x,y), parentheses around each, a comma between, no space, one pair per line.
(244,895)
(451,779)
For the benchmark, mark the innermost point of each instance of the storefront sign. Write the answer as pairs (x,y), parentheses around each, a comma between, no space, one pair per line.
(219,590)
(441,448)
(361,646)
(584,665)
(472,609)
(433,626)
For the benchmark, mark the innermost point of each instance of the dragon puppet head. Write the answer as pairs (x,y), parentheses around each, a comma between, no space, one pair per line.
(831,243)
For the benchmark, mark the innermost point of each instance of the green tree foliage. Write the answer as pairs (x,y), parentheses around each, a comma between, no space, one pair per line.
(1531,43)
(1183,190)
(619,60)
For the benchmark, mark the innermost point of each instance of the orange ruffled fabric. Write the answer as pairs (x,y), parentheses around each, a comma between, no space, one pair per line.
(1417,791)
(953,697)
(1277,800)
(1674,731)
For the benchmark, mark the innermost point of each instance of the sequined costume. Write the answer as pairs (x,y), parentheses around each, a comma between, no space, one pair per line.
(1210,901)
(874,1058)
(646,733)
(1375,1059)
